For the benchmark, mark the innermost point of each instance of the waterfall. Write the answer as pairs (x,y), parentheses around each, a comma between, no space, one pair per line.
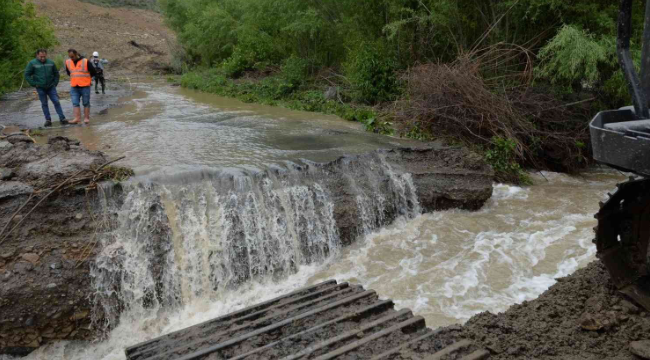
(176,242)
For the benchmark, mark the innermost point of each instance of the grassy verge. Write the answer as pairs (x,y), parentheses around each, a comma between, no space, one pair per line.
(503,153)
(277,91)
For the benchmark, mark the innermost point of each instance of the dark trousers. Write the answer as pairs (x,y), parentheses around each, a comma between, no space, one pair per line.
(103,81)
(43,94)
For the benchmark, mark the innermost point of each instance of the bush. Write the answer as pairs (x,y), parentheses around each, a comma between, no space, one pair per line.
(295,70)
(456,102)
(575,59)
(502,156)
(371,71)
(21,34)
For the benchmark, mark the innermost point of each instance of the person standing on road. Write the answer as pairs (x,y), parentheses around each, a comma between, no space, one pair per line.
(81,72)
(99,68)
(43,74)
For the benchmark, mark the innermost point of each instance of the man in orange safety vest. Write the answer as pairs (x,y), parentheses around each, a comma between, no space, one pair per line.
(81,72)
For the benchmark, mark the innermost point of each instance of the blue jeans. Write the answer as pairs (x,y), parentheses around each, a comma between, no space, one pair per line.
(43,95)
(80,92)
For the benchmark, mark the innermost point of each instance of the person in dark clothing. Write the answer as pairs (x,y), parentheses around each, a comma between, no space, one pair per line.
(99,68)
(81,72)
(43,74)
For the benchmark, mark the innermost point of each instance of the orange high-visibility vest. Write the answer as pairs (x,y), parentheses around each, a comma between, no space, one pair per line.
(79,74)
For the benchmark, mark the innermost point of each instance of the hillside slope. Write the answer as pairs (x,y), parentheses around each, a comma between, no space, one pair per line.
(133,40)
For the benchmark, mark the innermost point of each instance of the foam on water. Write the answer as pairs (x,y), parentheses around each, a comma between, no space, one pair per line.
(451,265)
(184,252)
(137,327)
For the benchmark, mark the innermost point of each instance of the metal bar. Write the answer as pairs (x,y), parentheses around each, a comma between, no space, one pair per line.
(626,61)
(396,350)
(233,315)
(378,306)
(178,349)
(348,335)
(450,350)
(417,322)
(645,55)
(203,352)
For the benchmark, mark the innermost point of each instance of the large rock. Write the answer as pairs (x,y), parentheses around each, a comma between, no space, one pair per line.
(641,349)
(443,178)
(10,189)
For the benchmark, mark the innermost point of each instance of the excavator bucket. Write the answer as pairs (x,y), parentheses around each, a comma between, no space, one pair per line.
(621,139)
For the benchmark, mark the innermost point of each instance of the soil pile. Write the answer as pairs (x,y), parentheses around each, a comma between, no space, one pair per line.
(133,40)
(581,317)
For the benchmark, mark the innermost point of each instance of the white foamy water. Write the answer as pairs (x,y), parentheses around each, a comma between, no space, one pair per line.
(138,326)
(188,251)
(448,266)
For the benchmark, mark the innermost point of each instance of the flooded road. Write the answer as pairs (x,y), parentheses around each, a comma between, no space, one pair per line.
(445,266)
(164,130)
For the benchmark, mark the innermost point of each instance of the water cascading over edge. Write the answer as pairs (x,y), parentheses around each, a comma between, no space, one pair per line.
(171,244)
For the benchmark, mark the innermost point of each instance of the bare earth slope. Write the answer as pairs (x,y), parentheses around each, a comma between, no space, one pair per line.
(133,40)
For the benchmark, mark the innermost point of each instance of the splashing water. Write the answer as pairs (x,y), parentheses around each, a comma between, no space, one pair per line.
(183,252)
(451,265)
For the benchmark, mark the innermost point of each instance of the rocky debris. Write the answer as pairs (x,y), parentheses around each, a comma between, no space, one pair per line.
(10,189)
(331,93)
(6,174)
(583,316)
(19,137)
(32,258)
(44,281)
(641,349)
(5,145)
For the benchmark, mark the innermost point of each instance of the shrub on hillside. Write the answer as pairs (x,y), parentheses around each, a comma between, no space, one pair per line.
(455,101)
(21,33)
(371,72)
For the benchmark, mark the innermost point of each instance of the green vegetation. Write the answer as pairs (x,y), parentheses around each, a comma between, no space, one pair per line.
(138,4)
(537,69)
(276,91)
(501,154)
(21,33)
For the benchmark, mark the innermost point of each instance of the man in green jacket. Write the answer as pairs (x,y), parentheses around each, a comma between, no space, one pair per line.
(43,74)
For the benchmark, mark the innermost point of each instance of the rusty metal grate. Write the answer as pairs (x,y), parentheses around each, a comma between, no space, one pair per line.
(324,321)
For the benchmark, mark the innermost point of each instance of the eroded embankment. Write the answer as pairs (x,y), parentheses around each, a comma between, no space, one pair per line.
(43,263)
(583,316)
(75,261)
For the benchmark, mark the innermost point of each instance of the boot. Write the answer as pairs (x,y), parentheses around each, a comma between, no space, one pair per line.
(96,92)
(48,123)
(64,122)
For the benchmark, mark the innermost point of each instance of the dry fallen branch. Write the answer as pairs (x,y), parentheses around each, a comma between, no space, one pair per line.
(94,175)
(472,101)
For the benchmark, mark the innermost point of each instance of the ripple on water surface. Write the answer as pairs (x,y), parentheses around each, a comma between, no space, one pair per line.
(448,266)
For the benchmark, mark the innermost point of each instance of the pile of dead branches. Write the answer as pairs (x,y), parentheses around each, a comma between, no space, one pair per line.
(86,179)
(475,100)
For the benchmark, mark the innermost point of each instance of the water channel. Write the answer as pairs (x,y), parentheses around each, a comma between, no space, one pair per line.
(446,266)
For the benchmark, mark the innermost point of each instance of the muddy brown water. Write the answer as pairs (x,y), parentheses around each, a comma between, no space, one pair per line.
(445,266)
(165,130)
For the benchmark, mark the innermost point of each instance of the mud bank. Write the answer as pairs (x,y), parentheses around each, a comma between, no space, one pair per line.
(44,263)
(47,290)
(580,317)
